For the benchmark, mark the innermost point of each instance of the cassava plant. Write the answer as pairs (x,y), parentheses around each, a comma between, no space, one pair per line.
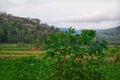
(77,57)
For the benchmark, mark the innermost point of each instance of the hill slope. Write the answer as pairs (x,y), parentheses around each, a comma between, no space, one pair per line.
(15,29)
(112,35)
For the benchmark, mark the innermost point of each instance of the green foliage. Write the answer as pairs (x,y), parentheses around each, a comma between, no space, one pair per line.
(112,71)
(114,53)
(27,68)
(30,68)
(15,29)
(36,44)
(77,56)
(87,36)
(113,50)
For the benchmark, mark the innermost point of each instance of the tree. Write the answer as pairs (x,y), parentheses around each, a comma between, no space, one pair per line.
(3,34)
(87,36)
(76,57)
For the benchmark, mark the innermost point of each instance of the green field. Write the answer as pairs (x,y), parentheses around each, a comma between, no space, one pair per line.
(15,47)
(22,63)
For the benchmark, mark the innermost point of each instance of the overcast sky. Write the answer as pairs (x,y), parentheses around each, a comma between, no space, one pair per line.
(80,14)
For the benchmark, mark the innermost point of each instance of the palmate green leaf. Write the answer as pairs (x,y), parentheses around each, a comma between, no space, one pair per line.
(71,31)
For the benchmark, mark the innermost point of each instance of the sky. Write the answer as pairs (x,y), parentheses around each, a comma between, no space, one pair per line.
(80,14)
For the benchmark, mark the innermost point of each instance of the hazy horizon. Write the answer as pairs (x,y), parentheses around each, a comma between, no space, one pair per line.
(80,14)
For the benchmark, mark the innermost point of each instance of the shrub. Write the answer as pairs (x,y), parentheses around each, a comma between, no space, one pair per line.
(36,44)
(77,57)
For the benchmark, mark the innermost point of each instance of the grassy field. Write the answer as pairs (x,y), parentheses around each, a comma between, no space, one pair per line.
(14,51)
(22,63)
(26,68)
(15,47)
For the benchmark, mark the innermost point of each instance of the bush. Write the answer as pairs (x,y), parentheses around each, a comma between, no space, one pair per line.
(114,54)
(76,57)
(36,44)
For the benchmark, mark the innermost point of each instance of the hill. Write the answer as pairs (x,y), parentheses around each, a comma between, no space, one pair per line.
(14,29)
(112,35)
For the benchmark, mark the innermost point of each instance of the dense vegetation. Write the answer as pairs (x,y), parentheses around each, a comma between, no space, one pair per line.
(76,56)
(30,68)
(59,56)
(18,29)
(68,57)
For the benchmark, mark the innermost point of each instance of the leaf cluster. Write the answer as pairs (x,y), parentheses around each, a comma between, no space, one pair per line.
(77,56)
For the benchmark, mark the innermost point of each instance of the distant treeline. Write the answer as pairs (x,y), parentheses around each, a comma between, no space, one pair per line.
(18,29)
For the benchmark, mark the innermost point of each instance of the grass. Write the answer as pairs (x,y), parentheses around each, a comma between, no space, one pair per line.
(15,47)
(26,68)
(19,54)
(112,71)
(20,69)
(30,68)
(20,63)
(13,51)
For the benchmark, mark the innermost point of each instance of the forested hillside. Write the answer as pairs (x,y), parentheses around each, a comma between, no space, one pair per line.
(15,29)
(112,35)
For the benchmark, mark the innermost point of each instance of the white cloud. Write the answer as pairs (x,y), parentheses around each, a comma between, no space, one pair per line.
(94,18)
(13,1)
(66,13)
